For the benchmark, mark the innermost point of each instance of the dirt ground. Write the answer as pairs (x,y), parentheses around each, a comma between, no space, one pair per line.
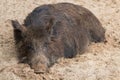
(100,62)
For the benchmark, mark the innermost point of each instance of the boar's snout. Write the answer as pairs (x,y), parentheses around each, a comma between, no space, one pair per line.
(40,63)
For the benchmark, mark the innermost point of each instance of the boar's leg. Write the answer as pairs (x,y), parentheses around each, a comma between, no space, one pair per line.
(98,34)
(70,51)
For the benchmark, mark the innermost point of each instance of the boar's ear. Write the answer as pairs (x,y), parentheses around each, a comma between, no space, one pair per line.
(17,26)
(18,30)
(48,22)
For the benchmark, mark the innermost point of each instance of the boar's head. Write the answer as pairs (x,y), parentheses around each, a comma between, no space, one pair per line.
(31,42)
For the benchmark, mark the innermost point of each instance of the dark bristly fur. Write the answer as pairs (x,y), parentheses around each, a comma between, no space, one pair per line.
(55,30)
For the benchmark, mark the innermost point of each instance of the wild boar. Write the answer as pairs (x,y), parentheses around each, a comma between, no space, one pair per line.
(55,30)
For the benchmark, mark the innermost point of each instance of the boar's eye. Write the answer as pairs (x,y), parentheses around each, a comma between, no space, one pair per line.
(29,47)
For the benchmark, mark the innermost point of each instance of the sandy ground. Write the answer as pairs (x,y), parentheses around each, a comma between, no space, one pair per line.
(99,62)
